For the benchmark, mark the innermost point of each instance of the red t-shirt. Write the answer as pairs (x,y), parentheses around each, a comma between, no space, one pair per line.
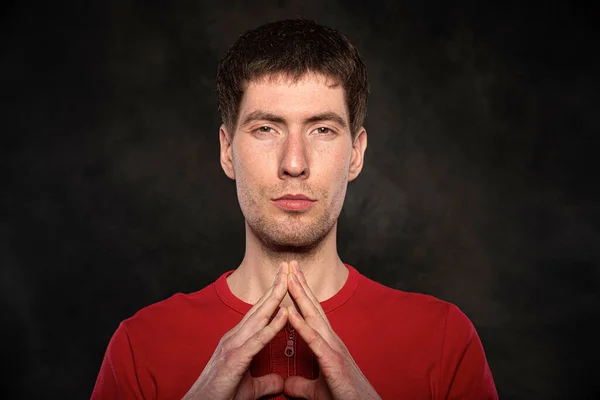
(408,345)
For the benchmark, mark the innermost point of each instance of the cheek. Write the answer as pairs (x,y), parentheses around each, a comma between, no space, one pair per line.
(250,174)
(336,175)
(245,163)
(341,184)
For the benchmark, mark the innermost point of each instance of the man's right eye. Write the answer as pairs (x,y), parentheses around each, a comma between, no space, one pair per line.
(265,129)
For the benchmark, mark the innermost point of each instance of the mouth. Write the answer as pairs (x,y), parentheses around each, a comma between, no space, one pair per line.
(294,202)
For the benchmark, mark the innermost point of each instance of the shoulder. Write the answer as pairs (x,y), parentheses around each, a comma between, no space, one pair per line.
(419,308)
(375,292)
(179,330)
(423,316)
(173,311)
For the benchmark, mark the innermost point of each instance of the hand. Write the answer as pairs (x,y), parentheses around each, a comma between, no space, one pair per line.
(340,377)
(226,374)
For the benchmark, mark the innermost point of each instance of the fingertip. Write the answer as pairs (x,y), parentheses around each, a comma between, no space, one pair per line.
(282,312)
(300,273)
(299,387)
(295,265)
(270,384)
(280,319)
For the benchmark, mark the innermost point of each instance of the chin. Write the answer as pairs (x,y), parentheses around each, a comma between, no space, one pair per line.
(291,239)
(290,246)
(294,239)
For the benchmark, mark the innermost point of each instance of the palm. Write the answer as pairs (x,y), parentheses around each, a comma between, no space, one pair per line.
(322,391)
(246,388)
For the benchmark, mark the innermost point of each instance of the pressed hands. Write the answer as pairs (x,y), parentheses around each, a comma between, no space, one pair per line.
(226,375)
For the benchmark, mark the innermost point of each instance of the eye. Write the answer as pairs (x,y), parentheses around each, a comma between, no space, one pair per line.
(265,129)
(323,130)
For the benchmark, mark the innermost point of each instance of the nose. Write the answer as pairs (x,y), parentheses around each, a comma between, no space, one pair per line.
(294,157)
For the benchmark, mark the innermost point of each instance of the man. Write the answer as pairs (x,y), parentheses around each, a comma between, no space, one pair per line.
(293,320)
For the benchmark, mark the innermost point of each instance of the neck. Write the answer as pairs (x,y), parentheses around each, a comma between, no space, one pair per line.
(324,270)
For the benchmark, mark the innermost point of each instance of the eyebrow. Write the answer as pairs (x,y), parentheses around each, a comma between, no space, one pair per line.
(328,116)
(259,115)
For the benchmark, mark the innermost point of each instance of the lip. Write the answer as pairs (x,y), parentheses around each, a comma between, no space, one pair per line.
(294,202)
(294,197)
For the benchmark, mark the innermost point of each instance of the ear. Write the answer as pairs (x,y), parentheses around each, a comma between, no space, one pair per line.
(226,142)
(358,154)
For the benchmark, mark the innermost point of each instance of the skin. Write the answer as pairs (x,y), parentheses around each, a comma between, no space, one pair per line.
(340,377)
(268,159)
(226,374)
(280,147)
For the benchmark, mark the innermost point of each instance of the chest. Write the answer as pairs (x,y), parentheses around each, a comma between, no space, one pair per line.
(399,362)
(398,365)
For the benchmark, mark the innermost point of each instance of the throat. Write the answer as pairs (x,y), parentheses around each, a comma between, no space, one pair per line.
(250,284)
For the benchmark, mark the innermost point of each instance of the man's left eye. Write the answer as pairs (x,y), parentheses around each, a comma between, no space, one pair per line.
(323,130)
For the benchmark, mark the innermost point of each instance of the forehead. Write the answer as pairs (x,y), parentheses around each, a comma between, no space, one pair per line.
(282,95)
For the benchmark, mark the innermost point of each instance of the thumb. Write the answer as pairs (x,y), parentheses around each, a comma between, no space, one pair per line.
(297,386)
(267,385)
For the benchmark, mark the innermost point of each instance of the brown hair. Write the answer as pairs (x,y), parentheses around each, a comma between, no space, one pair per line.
(293,48)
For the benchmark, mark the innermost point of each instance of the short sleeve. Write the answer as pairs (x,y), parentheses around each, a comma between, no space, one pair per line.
(465,373)
(117,378)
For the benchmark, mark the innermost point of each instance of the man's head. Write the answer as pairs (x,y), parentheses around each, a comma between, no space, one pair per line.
(289,129)
(292,48)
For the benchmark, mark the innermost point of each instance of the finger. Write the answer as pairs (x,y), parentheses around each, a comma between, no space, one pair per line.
(254,388)
(270,303)
(264,314)
(262,300)
(317,343)
(298,386)
(267,294)
(295,268)
(311,313)
(267,385)
(281,276)
(251,312)
(261,338)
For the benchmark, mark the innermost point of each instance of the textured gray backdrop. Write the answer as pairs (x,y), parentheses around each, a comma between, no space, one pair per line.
(478,185)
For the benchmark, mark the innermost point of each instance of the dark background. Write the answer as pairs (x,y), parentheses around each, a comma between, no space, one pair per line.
(478,186)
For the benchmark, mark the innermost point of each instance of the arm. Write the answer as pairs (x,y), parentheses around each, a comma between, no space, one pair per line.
(117,378)
(126,372)
(465,373)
